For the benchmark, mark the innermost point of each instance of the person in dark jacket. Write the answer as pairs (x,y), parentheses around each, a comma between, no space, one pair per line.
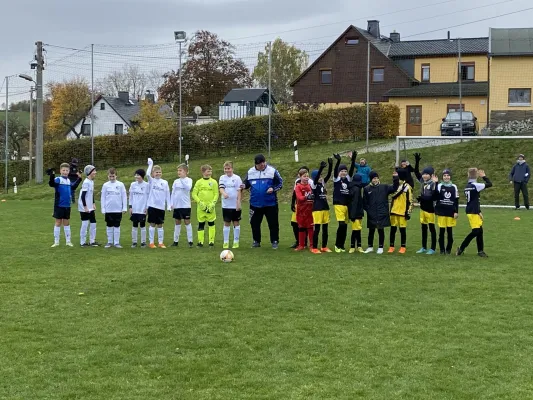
(376,205)
(73,176)
(356,211)
(404,164)
(519,176)
(426,200)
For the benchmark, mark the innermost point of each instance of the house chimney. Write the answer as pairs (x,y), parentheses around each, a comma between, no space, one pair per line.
(124,97)
(448,35)
(373,28)
(395,37)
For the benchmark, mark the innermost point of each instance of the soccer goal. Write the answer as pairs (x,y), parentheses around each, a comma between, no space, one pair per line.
(495,154)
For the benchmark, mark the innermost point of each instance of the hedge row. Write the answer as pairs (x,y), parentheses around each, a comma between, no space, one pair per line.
(230,137)
(17,169)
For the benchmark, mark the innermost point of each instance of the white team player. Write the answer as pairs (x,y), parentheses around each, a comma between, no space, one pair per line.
(114,203)
(138,197)
(86,208)
(230,190)
(158,198)
(181,204)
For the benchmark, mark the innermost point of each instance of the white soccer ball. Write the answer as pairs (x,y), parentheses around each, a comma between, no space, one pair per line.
(227,256)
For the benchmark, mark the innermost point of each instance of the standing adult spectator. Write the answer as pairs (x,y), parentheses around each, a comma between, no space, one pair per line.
(264,181)
(73,176)
(519,176)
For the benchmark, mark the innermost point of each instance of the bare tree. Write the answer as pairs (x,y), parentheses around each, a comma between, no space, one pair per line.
(130,80)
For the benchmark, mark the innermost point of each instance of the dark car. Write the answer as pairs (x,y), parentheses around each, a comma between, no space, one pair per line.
(451,125)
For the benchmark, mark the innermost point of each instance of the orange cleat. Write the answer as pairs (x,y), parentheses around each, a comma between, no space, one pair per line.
(152,246)
(402,250)
(391,250)
(325,250)
(162,246)
(315,251)
(299,248)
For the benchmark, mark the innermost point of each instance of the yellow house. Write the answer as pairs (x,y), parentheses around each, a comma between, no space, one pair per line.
(511,80)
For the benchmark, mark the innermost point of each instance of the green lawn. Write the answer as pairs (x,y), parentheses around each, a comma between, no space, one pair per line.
(180,324)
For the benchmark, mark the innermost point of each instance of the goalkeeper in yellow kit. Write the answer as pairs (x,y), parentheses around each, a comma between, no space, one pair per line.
(205,193)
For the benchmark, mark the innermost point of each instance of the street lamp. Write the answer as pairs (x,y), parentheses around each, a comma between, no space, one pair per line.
(30,79)
(180,37)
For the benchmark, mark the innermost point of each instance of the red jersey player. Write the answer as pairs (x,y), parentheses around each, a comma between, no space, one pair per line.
(304,209)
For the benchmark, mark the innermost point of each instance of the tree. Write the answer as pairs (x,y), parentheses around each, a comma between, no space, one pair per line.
(70,103)
(209,72)
(23,105)
(132,80)
(154,118)
(18,135)
(288,63)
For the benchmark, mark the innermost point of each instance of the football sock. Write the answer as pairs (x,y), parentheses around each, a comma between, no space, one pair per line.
(212,231)
(381,237)
(442,231)
(109,231)
(57,232)
(315,236)
(352,240)
(325,235)
(236,233)
(143,235)
(116,234)
(403,236)
(134,234)
(371,233)
(92,237)
(357,238)
(433,232)
(301,237)
(450,238)
(479,240)
(66,229)
(295,231)
(83,231)
(188,228)
(151,233)
(160,235)
(310,236)
(201,236)
(177,231)
(341,235)
(424,236)
(226,231)
(393,230)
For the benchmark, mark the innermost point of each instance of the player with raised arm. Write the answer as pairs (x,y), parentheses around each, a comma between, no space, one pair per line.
(321,216)
(426,199)
(400,209)
(205,194)
(229,186)
(341,199)
(181,204)
(138,197)
(114,203)
(63,193)
(87,207)
(473,210)
(447,209)
(158,198)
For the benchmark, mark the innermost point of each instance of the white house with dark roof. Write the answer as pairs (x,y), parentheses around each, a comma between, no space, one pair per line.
(240,103)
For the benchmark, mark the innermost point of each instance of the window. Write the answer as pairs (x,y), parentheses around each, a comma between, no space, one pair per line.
(378,74)
(86,130)
(455,107)
(326,77)
(425,73)
(119,129)
(468,71)
(520,97)
(350,41)
(102,106)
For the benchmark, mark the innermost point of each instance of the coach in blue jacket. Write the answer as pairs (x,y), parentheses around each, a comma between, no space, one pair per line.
(264,182)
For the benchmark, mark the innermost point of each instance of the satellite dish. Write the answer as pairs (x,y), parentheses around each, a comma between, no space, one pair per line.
(197,110)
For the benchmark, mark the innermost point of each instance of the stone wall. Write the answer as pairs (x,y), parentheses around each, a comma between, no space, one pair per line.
(514,122)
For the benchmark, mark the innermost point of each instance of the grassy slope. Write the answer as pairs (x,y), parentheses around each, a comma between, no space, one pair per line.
(496,157)
(179,324)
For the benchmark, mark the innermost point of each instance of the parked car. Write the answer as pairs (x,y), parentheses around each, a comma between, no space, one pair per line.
(451,125)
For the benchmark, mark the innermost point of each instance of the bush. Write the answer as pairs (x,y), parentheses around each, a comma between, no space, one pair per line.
(244,135)
(18,169)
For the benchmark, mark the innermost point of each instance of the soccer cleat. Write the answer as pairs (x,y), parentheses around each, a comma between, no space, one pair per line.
(200,245)
(369,250)
(55,245)
(108,245)
(352,250)
(482,254)
(69,244)
(162,246)
(225,246)
(256,245)
(211,245)
(235,245)
(191,245)
(299,248)
(421,251)
(143,245)
(152,245)
(380,251)
(84,245)
(315,251)
(133,245)
(275,245)
(118,246)
(175,244)
(430,252)
(448,252)
(94,244)
(391,250)
(360,250)
(459,252)
(402,250)
(295,245)
(325,250)
(339,250)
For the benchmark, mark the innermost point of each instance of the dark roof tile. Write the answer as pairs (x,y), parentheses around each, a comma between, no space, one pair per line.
(438,47)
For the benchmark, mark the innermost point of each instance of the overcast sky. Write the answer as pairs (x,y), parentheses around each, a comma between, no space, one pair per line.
(77,24)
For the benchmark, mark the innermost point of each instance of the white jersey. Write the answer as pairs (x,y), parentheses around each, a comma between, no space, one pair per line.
(87,188)
(232,186)
(158,194)
(181,193)
(114,198)
(138,197)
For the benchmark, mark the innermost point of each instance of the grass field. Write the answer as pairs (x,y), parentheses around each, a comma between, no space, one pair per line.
(179,324)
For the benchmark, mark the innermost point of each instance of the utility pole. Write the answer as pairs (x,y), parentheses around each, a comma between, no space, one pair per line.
(7,132)
(39,141)
(92,104)
(460,75)
(269,99)
(31,135)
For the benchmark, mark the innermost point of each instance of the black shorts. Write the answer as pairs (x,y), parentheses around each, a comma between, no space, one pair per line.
(138,218)
(231,215)
(113,219)
(88,216)
(182,213)
(61,212)
(156,216)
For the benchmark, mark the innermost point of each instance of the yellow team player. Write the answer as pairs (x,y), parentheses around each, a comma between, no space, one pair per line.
(205,193)
(401,208)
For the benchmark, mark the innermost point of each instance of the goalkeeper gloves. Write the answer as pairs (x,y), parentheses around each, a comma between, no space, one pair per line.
(310,196)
